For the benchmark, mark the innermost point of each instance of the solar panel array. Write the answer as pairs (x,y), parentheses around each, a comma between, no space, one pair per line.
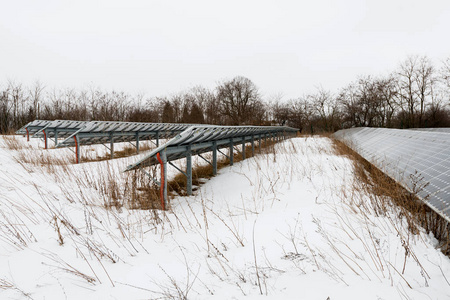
(201,139)
(187,140)
(77,133)
(33,127)
(418,159)
(98,132)
(62,128)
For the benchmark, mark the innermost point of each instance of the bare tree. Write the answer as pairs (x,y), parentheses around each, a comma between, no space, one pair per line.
(415,79)
(445,72)
(36,94)
(326,109)
(208,103)
(168,114)
(424,80)
(238,99)
(407,94)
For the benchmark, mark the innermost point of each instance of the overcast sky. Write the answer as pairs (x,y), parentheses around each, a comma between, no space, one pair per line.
(162,47)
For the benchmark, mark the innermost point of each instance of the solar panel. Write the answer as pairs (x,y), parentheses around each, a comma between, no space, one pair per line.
(439,129)
(77,133)
(199,138)
(412,157)
(51,129)
(33,127)
(97,132)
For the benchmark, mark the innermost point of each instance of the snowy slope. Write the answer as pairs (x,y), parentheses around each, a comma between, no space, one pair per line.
(287,225)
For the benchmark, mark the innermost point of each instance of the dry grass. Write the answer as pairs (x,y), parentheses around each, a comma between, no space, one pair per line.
(385,192)
(125,152)
(114,188)
(12,142)
(26,156)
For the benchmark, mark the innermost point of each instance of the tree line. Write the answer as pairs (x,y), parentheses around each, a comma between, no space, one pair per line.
(415,94)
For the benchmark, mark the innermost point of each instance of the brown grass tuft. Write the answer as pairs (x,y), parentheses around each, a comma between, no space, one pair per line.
(13,143)
(125,152)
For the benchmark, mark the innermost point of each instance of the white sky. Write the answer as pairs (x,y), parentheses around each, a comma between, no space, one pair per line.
(161,47)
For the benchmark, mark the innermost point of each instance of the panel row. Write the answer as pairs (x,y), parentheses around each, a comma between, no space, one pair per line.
(417,159)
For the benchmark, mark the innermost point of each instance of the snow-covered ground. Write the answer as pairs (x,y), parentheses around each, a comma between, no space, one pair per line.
(283,225)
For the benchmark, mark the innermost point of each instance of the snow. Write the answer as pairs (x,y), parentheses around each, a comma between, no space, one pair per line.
(284,225)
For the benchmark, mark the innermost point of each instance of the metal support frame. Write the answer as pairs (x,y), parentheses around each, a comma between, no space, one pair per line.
(111,145)
(259,144)
(45,139)
(231,152)
(243,148)
(220,151)
(77,149)
(56,137)
(150,176)
(181,171)
(189,171)
(253,145)
(214,158)
(137,142)
(164,160)
(201,156)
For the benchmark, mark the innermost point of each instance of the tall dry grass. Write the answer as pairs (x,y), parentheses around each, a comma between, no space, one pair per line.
(124,152)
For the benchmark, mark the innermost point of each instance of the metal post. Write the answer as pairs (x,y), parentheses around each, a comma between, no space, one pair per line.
(77,149)
(157,139)
(214,158)
(45,138)
(56,137)
(164,160)
(243,148)
(137,142)
(189,171)
(111,147)
(259,144)
(253,145)
(231,152)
